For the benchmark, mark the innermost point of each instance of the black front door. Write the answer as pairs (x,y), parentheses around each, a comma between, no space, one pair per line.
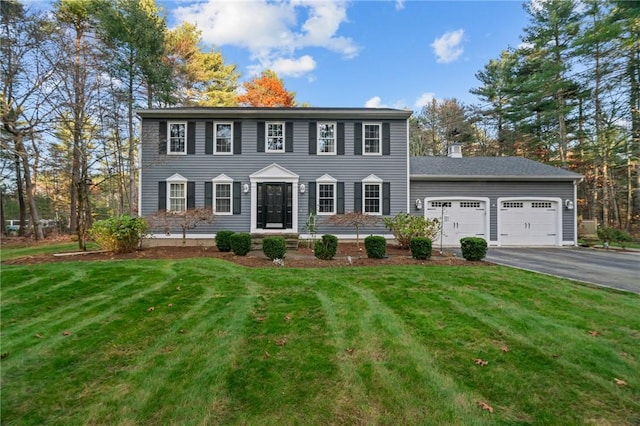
(275,207)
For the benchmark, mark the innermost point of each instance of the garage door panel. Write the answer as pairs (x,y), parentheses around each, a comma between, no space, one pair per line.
(528,223)
(459,218)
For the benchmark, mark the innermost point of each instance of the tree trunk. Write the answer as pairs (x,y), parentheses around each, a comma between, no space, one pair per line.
(132,160)
(29,188)
(22,208)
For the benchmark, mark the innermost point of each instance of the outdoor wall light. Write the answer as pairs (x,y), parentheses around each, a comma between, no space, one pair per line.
(302,188)
(568,204)
(245,188)
(418,204)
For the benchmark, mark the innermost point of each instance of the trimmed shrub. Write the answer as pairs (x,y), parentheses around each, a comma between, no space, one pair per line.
(420,248)
(223,240)
(274,247)
(326,247)
(614,235)
(240,243)
(473,248)
(376,246)
(405,227)
(120,234)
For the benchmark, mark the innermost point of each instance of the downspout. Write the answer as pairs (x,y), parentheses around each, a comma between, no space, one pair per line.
(575,211)
(139,167)
(408,173)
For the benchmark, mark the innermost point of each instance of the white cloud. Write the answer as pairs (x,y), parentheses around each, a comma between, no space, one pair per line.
(399,4)
(293,67)
(424,99)
(447,47)
(271,31)
(375,102)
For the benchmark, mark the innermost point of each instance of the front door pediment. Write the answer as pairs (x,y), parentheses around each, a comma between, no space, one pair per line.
(275,173)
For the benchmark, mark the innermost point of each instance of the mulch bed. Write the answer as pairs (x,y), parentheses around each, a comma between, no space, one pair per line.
(348,255)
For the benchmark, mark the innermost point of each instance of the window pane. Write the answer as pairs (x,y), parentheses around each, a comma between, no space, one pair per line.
(223,138)
(223,198)
(177,137)
(325,198)
(372,138)
(326,138)
(275,137)
(372,198)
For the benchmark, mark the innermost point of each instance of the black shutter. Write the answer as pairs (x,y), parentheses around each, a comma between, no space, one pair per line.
(208,137)
(260,136)
(191,137)
(289,205)
(162,195)
(288,137)
(357,138)
(237,137)
(340,190)
(313,141)
(162,137)
(311,191)
(208,195)
(340,138)
(386,139)
(237,194)
(357,197)
(386,198)
(191,195)
(260,207)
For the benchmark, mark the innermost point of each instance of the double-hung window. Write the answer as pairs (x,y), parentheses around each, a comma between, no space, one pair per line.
(223,195)
(327,138)
(177,143)
(275,137)
(223,138)
(372,138)
(372,198)
(177,196)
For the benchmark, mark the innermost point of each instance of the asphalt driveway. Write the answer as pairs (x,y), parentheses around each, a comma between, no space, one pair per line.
(619,270)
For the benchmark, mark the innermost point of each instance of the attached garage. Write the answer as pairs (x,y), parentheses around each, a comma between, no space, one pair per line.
(509,201)
(460,217)
(529,222)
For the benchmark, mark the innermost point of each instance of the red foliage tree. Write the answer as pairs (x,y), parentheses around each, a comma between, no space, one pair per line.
(266,90)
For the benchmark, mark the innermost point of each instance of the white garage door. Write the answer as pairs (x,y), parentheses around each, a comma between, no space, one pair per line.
(460,218)
(529,223)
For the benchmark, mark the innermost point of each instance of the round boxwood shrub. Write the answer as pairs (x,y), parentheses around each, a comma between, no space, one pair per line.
(274,247)
(376,246)
(420,248)
(240,243)
(473,248)
(326,247)
(223,240)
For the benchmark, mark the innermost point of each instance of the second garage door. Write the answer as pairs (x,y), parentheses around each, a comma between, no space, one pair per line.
(529,223)
(460,218)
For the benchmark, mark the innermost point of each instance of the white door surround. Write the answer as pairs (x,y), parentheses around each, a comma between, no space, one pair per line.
(274,173)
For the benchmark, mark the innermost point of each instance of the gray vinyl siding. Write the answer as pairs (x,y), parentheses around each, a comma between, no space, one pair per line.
(201,167)
(494,190)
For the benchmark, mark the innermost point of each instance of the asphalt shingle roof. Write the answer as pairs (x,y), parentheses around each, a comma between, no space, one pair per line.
(492,168)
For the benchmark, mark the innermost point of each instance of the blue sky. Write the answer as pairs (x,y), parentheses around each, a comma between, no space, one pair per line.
(339,53)
(359,53)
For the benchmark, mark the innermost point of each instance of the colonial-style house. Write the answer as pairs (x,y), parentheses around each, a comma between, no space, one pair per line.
(268,170)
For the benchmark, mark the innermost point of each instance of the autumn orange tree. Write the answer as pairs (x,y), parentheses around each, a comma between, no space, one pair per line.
(266,90)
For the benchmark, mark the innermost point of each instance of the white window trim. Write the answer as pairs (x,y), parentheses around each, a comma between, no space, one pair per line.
(335,138)
(266,137)
(215,138)
(186,129)
(364,152)
(372,180)
(326,180)
(176,179)
(222,180)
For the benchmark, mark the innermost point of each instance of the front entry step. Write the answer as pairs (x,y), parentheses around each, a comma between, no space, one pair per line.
(291,239)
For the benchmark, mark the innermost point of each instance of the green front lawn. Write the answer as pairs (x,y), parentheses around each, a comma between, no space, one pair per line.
(225,344)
